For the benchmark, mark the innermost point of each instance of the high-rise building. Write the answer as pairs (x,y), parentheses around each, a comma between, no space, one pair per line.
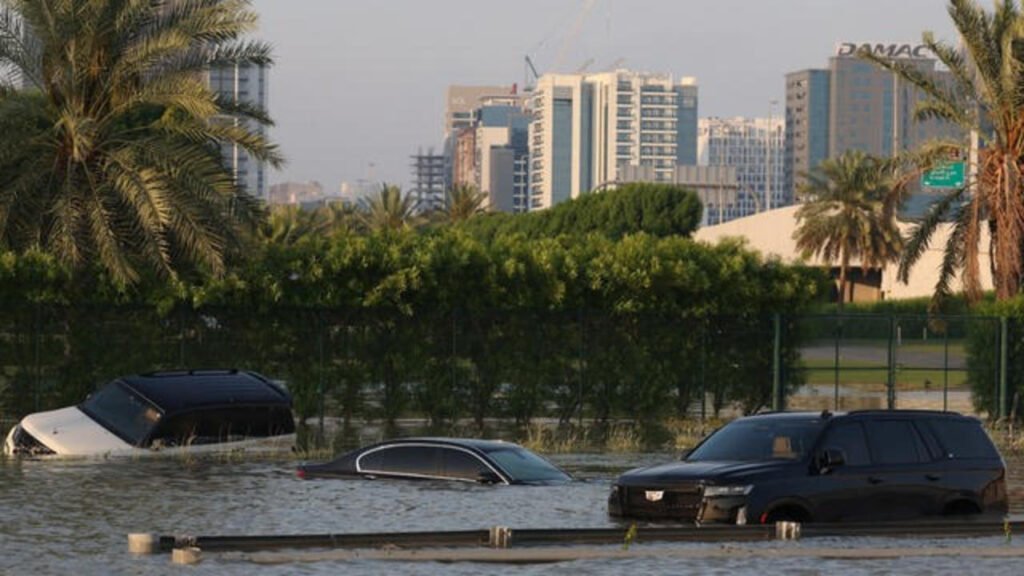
(243,84)
(807,125)
(586,127)
(856,105)
(754,147)
(429,181)
(461,106)
(491,154)
(462,102)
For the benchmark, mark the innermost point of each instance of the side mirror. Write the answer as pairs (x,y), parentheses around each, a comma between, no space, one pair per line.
(831,458)
(489,477)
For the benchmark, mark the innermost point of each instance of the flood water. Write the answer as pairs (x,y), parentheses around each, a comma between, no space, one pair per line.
(73,518)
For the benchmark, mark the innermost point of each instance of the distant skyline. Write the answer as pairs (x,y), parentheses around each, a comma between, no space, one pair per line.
(359,85)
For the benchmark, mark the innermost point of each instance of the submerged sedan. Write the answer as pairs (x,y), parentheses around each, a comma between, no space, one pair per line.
(465,460)
(163,412)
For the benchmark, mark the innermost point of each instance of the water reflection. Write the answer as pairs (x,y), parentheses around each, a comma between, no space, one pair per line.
(73,517)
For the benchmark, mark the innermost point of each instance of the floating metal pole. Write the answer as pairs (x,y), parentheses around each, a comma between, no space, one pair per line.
(504,537)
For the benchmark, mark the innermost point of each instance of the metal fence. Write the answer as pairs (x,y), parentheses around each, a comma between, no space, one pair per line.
(520,365)
(939,363)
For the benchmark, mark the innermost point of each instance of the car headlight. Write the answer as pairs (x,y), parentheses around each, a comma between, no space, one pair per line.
(615,490)
(716,491)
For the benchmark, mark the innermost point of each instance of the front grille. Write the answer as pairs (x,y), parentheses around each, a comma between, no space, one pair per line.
(25,444)
(677,502)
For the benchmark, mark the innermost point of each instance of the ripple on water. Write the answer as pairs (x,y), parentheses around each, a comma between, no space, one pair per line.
(73,517)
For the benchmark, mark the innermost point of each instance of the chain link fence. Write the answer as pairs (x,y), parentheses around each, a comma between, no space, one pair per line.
(522,365)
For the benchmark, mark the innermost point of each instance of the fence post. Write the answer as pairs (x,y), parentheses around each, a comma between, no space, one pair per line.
(37,363)
(703,370)
(890,387)
(778,395)
(1003,353)
(581,320)
(181,336)
(321,327)
(945,369)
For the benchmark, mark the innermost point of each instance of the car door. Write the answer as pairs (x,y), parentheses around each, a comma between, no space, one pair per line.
(844,492)
(973,469)
(460,464)
(417,461)
(903,472)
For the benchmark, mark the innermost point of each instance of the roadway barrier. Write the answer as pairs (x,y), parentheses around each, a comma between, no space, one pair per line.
(504,537)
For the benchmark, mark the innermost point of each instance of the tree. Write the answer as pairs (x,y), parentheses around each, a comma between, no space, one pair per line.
(388,209)
(113,156)
(462,202)
(287,225)
(655,209)
(985,97)
(849,212)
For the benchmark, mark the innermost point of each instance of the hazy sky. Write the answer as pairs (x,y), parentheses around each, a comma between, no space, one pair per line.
(362,82)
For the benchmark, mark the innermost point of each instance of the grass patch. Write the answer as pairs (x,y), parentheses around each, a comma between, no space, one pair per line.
(873,376)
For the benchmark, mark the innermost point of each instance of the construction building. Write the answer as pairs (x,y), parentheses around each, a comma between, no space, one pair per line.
(429,180)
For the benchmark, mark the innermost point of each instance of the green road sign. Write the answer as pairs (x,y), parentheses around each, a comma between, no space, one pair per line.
(949,175)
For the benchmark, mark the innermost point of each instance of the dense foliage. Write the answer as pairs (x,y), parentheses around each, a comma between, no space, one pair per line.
(111,158)
(983,348)
(656,209)
(436,323)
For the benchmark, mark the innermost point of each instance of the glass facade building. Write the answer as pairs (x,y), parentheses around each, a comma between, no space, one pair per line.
(856,105)
(753,148)
(246,84)
(586,128)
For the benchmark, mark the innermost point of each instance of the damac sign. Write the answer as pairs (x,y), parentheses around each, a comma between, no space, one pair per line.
(885,50)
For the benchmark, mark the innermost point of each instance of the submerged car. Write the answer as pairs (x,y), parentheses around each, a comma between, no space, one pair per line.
(163,412)
(857,466)
(465,460)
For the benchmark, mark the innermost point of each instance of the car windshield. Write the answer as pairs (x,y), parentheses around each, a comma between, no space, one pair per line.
(122,412)
(759,439)
(525,466)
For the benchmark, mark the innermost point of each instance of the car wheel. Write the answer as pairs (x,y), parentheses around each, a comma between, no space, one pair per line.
(961,508)
(788,514)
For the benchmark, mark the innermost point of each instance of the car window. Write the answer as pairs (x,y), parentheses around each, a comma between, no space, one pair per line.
(462,465)
(963,439)
(759,439)
(222,425)
(417,460)
(849,437)
(123,412)
(525,466)
(894,442)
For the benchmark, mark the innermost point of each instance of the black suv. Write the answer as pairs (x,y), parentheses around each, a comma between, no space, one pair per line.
(823,467)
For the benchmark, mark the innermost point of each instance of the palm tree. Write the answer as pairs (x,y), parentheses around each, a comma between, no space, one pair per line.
(849,213)
(388,209)
(288,225)
(462,202)
(112,156)
(986,98)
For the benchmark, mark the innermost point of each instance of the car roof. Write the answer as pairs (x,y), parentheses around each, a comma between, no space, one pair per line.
(859,414)
(469,443)
(180,390)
